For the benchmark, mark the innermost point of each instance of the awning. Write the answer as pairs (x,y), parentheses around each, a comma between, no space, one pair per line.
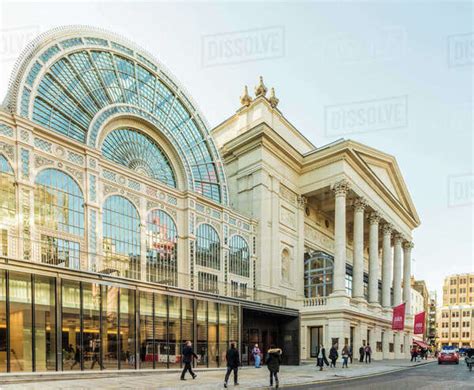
(421,344)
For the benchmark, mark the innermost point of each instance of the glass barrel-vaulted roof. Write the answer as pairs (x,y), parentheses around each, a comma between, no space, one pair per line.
(140,153)
(73,85)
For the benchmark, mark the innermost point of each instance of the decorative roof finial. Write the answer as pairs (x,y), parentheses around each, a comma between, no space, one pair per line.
(260,89)
(245,99)
(273,99)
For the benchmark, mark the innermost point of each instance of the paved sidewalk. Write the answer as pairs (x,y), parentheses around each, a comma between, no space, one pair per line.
(249,378)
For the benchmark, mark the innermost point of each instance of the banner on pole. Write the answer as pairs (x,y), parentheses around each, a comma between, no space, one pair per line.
(419,325)
(398,320)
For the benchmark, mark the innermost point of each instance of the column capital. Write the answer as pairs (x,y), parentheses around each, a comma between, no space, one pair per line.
(341,188)
(387,228)
(398,238)
(408,245)
(301,201)
(374,217)
(360,204)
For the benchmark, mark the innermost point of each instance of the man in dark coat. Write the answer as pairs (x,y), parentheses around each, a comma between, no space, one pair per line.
(273,363)
(188,356)
(233,363)
(361,354)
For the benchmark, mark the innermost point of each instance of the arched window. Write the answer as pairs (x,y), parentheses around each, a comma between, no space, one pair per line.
(7,203)
(318,274)
(239,256)
(161,242)
(140,153)
(208,247)
(121,242)
(59,209)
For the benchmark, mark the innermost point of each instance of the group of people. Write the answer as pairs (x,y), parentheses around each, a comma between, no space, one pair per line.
(346,354)
(273,361)
(418,353)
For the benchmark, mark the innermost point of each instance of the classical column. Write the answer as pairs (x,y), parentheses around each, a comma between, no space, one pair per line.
(358,270)
(374,219)
(340,190)
(407,247)
(386,265)
(397,270)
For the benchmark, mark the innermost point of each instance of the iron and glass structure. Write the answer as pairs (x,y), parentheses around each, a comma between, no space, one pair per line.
(114,217)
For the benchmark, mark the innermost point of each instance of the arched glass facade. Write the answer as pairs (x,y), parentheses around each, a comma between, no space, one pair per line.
(140,153)
(59,218)
(7,203)
(208,247)
(162,248)
(83,88)
(121,237)
(318,274)
(239,256)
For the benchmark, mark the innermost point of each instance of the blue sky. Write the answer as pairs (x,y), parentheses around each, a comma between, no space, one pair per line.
(323,54)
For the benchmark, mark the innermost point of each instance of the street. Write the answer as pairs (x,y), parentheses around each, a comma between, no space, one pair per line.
(430,376)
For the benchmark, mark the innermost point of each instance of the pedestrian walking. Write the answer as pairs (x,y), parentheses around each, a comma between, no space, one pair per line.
(233,362)
(321,356)
(96,355)
(188,357)
(256,353)
(77,357)
(350,353)
(345,356)
(414,353)
(361,354)
(368,353)
(333,355)
(273,364)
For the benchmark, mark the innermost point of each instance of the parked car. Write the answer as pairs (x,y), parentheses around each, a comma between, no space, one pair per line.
(448,356)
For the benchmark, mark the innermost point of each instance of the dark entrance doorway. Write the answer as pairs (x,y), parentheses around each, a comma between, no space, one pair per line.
(266,329)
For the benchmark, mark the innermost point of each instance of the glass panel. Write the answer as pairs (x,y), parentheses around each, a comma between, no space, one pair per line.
(7,202)
(174,330)
(20,322)
(187,322)
(239,256)
(71,326)
(223,333)
(109,327)
(59,204)
(91,326)
(121,230)
(212,334)
(57,251)
(3,321)
(207,247)
(201,317)
(146,330)
(161,315)
(139,152)
(127,328)
(161,240)
(45,323)
(318,275)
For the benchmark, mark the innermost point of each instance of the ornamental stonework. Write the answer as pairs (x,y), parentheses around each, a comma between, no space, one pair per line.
(7,149)
(42,161)
(287,217)
(76,173)
(341,188)
(287,194)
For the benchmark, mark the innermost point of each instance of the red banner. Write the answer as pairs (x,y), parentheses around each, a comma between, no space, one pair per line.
(398,321)
(419,326)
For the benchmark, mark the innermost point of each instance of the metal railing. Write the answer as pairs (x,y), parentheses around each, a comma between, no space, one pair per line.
(134,267)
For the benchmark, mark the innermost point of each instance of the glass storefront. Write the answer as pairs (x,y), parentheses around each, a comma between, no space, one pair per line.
(49,323)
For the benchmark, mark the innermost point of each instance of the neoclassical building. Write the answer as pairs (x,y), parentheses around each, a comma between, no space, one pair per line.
(127,226)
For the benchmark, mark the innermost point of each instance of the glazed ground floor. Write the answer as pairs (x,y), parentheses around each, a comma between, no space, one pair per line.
(353,327)
(61,320)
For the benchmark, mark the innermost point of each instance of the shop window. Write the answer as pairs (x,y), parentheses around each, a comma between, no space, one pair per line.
(208,249)
(239,256)
(318,274)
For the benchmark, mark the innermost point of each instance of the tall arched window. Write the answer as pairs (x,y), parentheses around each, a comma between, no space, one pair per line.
(208,247)
(239,257)
(7,203)
(121,237)
(161,254)
(318,274)
(59,216)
